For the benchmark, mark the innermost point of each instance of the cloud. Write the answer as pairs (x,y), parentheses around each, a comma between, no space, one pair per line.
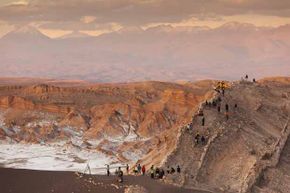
(88,19)
(134,12)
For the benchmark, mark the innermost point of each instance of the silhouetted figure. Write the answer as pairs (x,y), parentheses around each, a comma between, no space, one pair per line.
(227,115)
(161,173)
(168,170)
(178,169)
(108,170)
(139,168)
(152,171)
(202,139)
(172,170)
(120,175)
(227,108)
(127,168)
(196,138)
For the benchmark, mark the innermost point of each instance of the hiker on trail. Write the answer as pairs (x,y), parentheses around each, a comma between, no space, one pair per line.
(203,121)
(135,171)
(219,109)
(152,171)
(108,170)
(196,138)
(120,175)
(161,173)
(227,108)
(127,168)
(178,169)
(157,173)
(168,170)
(227,115)
(202,139)
(143,170)
(172,170)
(139,168)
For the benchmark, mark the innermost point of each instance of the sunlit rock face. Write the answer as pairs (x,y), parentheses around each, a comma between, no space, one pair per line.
(120,123)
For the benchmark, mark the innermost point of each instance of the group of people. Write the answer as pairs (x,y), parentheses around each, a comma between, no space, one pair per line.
(155,172)
(199,139)
(140,170)
(159,173)
(247,78)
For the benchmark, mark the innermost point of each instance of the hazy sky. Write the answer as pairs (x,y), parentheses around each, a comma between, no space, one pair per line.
(56,17)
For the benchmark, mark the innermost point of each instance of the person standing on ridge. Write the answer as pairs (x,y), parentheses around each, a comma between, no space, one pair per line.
(120,175)
(139,168)
(143,170)
(227,108)
(203,121)
(152,171)
(178,169)
(127,168)
(108,170)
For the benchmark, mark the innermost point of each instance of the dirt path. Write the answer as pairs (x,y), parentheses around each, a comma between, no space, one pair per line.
(26,181)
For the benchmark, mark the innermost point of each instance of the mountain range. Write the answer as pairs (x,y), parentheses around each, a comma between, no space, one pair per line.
(162,53)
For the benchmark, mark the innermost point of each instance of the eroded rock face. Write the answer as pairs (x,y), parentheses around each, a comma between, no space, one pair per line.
(136,117)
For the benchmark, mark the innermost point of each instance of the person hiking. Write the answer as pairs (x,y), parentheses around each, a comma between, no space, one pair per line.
(127,168)
(178,169)
(120,175)
(143,170)
(139,168)
(161,173)
(108,170)
(202,139)
(196,138)
(227,108)
(157,173)
(168,170)
(172,170)
(152,171)
(227,115)
(203,121)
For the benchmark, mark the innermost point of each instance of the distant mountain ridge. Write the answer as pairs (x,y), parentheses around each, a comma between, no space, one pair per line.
(162,53)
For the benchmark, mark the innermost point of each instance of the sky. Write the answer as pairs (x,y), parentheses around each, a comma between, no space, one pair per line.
(58,17)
